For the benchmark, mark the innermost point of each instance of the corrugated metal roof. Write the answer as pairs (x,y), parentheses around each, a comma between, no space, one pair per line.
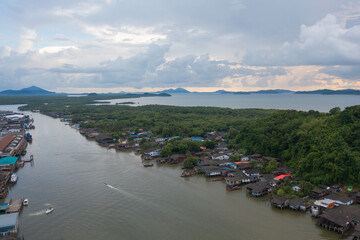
(8,160)
(8,220)
(5,141)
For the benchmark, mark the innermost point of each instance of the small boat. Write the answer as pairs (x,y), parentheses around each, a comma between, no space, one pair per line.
(26,202)
(13,178)
(185,174)
(148,164)
(49,210)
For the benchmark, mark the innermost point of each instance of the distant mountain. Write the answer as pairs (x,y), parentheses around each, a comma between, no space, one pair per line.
(272,91)
(331,92)
(33,90)
(177,90)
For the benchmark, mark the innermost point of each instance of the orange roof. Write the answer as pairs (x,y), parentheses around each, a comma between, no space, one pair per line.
(282,176)
(5,141)
(242,162)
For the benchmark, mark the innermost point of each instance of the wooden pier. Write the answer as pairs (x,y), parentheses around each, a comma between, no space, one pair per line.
(15,206)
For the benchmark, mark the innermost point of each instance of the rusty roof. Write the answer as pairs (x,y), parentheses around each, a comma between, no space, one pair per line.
(5,141)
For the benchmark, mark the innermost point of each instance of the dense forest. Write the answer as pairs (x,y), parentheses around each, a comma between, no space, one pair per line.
(323,148)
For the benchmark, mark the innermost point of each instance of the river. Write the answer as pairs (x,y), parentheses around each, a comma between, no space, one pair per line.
(70,172)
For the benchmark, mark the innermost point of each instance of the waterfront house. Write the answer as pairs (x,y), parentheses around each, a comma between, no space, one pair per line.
(340,219)
(318,206)
(211,171)
(236,178)
(5,142)
(318,193)
(8,163)
(341,200)
(252,173)
(151,153)
(9,225)
(103,139)
(298,204)
(258,189)
(279,201)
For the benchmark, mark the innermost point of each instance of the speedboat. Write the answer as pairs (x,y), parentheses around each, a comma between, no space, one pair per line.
(26,202)
(49,210)
(13,178)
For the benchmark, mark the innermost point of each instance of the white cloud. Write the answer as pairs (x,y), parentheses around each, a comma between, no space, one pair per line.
(55,49)
(324,43)
(27,39)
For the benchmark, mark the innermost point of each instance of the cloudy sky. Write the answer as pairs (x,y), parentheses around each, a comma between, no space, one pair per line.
(202,45)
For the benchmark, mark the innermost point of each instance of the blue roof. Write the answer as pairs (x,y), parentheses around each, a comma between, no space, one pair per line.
(8,221)
(198,139)
(8,160)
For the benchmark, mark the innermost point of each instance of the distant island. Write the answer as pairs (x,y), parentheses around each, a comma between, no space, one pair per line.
(33,90)
(272,91)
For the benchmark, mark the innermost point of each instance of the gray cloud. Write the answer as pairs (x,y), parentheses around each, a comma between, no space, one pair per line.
(351,73)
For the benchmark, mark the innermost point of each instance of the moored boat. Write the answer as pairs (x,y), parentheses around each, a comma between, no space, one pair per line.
(148,164)
(26,202)
(13,178)
(185,174)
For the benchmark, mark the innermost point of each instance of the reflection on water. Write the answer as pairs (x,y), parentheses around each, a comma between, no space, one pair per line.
(135,202)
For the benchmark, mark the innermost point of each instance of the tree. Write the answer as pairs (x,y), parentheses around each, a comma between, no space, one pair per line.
(253,163)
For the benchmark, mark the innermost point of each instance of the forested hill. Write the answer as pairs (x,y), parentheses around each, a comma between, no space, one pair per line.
(322,148)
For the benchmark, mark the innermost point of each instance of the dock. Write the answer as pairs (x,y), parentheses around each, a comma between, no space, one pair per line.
(15,206)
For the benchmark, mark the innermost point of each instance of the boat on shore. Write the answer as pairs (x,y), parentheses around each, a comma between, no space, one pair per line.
(13,178)
(49,210)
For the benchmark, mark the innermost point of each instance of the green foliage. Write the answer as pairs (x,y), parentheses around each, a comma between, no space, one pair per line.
(322,148)
(281,192)
(190,162)
(269,167)
(236,157)
(253,163)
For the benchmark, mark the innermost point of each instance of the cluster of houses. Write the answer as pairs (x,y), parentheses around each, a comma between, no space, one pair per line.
(333,211)
(13,143)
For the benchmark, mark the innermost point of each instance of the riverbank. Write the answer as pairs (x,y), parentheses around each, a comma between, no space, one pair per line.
(13,143)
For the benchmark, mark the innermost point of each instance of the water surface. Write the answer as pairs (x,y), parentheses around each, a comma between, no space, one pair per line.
(303,102)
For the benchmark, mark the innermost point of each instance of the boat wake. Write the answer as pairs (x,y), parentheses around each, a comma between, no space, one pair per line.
(130,195)
(38,213)
(41,212)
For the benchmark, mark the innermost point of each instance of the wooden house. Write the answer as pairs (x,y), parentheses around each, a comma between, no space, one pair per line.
(103,139)
(258,189)
(318,193)
(340,219)
(298,204)
(279,201)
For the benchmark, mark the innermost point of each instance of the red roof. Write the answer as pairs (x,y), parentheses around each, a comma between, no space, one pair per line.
(280,177)
(5,141)
(242,162)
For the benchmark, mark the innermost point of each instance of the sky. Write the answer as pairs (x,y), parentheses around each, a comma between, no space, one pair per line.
(202,45)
